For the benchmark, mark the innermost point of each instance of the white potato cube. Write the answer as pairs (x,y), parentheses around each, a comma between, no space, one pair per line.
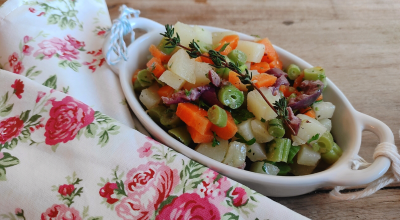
(301,170)
(256,152)
(236,154)
(149,97)
(308,128)
(244,129)
(260,131)
(172,79)
(327,123)
(323,110)
(254,51)
(217,153)
(259,107)
(181,64)
(186,33)
(217,36)
(307,156)
(200,71)
(202,35)
(253,72)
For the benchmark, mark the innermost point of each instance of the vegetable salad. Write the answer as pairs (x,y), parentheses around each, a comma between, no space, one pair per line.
(232,101)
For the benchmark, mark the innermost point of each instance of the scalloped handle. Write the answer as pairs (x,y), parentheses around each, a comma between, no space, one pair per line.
(136,23)
(380,165)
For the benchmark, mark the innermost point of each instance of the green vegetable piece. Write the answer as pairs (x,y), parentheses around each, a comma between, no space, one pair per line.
(264,168)
(284,168)
(230,96)
(217,116)
(293,71)
(275,128)
(145,78)
(241,115)
(223,72)
(182,134)
(333,155)
(167,49)
(137,86)
(170,120)
(278,150)
(204,47)
(243,68)
(237,57)
(314,73)
(324,143)
(156,112)
(292,153)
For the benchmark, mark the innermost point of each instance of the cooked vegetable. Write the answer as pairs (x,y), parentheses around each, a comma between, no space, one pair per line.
(228,131)
(217,153)
(256,152)
(181,64)
(217,116)
(162,48)
(230,96)
(194,117)
(275,128)
(173,80)
(260,131)
(292,153)
(165,91)
(145,79)
(170,120)
(261,67)
(254,51)
(264,168)
(207,137)
(227,44)
(323,110)
(202,35)
(333,155)
(182,134)
(234,79)
(314,73)
(244,129)
(236,154)
(309,127)
(155,66)
(307,156)
(155,52)
(238,57)
(324,143)
(257,105)
(327,123)
(293,71)
(156,112)
(278,150)
(149,97)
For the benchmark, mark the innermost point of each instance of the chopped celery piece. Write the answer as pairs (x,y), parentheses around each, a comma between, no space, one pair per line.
(284,168)
(156,112)
(243,68)
(275,128)
(278,150)
(333,155)
(324,143)
(182,134)
(292,153)
(217,116)
(230,96)
(314,73)
(237,57)
(293,71)
(170,120)
(264,168)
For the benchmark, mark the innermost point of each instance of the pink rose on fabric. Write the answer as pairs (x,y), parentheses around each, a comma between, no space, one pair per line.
(145,151)
(66,189)
(13,58)
(61,212)
(40,96)
(107,191)
(18,68)
(67,117)
(75,43)
(41,13)
(101,33)
(239,196)
(32,10)
(10,128)
(1,155)
(27,39)
(133,208)
(27,50)
(18,211)
(64,49)
(189,206)
(18,87)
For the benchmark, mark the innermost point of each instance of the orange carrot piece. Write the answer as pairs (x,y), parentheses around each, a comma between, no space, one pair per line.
(264,80)
(261,67)
(228,131)
(308,111)
(198,59)
(198,138)
(234,79)
(319,98)
(226,51)
(165,91)
(269,51)
(298,80)
(276,63)
(159,54)
(206,60)
(194,116)
(154,65)
(231,39)
(135,74)
(287,90)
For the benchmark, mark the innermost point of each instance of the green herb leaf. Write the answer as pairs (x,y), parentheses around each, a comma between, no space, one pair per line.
(313,138)
(281,108)
(203,105)
(240,115)
(263,120)
(224,47)
(215,142)
(241,139)
(187,93)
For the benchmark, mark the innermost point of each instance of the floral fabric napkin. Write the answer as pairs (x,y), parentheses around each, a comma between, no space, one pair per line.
(67,149)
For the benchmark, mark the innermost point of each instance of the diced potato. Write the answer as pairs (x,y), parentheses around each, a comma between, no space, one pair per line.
(200,71)
(149,97)
(327,123)
(236,154)
(323,110)
(254,51)
(264,168)
(256,152)
(202,35)
(217,153)
(186,33)
(260,131)
(308,128)
(244,129)
(172,79)
(259,107)
(217,36)
(301,170)
(181,64)
(307,156)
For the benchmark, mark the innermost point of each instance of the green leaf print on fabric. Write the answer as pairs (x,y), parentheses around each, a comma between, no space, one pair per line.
(51,82)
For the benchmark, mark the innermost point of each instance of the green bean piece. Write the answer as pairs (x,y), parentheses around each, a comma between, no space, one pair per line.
(237,57)
(324,143)
(293,71)
(145,78)
(182,134)
(223,72)
(275,128)
(204,47)
(230,96)
(264,168)
(333,155)
(243,68)
(156,112)
(161,46)
(217,116)
(278,150)
(314,73)
(292,153)
(170,120)
(137,86)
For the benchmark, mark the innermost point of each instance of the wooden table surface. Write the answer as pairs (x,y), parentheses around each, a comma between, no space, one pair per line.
(358,44)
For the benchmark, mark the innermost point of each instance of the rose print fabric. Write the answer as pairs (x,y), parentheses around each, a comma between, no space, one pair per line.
(67,149)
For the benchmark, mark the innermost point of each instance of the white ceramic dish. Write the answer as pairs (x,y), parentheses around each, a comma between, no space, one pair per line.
(348,125)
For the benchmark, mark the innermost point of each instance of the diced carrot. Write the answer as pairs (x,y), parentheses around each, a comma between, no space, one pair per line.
(207,60)
(231,39)
(298,80)
(287,90)
(270,53)
(154,65)
(194,116)
(319,98)
(234,79)
(228,131)
(165,91)
(276,63)
(226,51)
(159,54)
(198,59)
(200,138)
(308,111)
(261,67)
(135,74)
(264,80)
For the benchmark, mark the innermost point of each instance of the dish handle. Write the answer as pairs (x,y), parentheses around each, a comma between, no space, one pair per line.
(380,165)
(111,40)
